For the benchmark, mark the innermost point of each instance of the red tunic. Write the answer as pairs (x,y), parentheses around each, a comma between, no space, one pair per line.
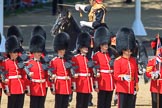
(124,66)
(63,81)
(83,82)
(15,76)
(156,85)
(106,80)
(39,77)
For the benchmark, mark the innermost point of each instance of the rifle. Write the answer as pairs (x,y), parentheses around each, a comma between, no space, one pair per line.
(94,68)
(95,72)
(3,80)
(21,64)
(68,65)
(45,65)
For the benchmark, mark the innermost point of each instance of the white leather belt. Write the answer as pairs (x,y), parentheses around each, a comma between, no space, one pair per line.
(38,80)
(106,71)
(14,77)
(63,77)
(84,74)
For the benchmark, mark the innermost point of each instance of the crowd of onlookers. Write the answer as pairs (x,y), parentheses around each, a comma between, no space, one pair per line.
(14,4)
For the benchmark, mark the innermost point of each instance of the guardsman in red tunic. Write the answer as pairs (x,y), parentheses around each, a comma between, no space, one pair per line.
(15,77)
(37,83)
(125,68)
(83,82)
(153,72)
(62,79)
(102,59)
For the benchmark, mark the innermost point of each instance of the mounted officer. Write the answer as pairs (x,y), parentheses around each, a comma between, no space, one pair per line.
(96,13)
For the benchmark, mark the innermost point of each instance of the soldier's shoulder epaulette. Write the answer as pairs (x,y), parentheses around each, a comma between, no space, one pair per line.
(153,58)
(6,59)
(76,55)
(96,52)
(54,58)
(118,58)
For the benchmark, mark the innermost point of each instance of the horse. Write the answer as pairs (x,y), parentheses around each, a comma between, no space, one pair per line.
(65,22)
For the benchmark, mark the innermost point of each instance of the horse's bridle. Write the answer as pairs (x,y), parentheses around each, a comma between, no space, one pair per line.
(61,22)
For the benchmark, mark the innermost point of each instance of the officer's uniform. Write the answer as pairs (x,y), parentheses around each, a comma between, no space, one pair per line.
(62,80)
(102,59)
(83,82)
(37,84)
(96,14)
(125,69)
(16,77)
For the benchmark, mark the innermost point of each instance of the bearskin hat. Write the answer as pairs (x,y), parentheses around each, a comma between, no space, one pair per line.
(39,30)
(14,30)
(37,44)
(101,36)
(83,40)
(125,39)
(12,44)
(61,41)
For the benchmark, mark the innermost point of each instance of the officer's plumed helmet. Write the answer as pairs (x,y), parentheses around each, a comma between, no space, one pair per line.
(83,40)
(125,39)
(61,41)
(12,44)
(37,43)
(14,30)
(38,30)
(101,36)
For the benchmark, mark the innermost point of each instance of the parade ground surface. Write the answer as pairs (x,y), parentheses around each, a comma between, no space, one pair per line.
(119,14)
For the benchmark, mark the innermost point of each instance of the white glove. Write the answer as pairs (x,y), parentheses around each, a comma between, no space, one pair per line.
(86,23)
(142,71)
(127,78)
(155,75)
(80,6)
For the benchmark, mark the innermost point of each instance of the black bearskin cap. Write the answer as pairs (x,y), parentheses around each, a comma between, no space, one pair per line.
(83,40)
(37,44)
(12,44)
(101,36)
(39,30)
(125,39)
(14,30)
(61,41)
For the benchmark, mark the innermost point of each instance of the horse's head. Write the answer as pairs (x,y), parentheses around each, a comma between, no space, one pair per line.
(62,21)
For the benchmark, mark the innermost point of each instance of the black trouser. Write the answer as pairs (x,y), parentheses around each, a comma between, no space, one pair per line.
(82,100)
(134,101)
(154,100)
(15,101)
(37,101)
(1,94)
(54,5)
(104,99)
(61,101)
(125,100)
